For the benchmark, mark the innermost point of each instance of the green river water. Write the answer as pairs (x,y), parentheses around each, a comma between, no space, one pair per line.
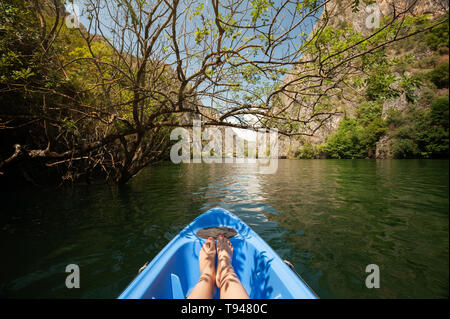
(329,218)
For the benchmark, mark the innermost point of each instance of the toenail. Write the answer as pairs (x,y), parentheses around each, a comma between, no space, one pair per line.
(210,238)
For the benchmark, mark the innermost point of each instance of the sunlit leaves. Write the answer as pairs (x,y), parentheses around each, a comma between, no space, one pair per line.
(304,5)
(197,11)
(261,8)
(205,30)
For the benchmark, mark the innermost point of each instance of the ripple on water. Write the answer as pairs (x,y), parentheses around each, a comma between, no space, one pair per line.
(329,218)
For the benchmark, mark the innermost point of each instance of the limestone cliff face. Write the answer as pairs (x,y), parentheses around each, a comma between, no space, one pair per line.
(341,14)
(341,11)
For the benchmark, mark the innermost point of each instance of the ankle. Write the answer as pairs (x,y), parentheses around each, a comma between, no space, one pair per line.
(224,259)
(207,275)
(227,275)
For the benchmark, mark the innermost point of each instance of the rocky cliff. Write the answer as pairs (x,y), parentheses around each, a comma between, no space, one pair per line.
(341,14)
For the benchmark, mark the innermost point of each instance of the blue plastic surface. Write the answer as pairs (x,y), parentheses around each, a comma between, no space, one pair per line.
(173,273)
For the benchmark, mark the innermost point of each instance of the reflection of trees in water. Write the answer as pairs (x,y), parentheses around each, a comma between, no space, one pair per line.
(340,216)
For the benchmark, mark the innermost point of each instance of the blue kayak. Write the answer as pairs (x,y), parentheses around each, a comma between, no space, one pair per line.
(174,272)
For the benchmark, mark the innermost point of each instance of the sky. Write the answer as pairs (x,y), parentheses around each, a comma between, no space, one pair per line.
(77,8)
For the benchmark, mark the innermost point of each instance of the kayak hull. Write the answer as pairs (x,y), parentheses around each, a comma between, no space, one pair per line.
(174,272)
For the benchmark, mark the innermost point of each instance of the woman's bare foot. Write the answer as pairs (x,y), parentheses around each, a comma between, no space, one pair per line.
(226,279)
(204,289)
(207,258)
(224,258)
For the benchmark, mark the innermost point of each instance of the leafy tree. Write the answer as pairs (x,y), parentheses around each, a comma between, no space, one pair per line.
(439,75)
(357,137)
(405,148)
(309,151)
(421,132)
(435,137)
(379,84)
(438,36)
(347,141)
(100,100)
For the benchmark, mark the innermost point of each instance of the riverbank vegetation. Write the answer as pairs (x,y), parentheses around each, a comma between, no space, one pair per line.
(415,74)
(97,102)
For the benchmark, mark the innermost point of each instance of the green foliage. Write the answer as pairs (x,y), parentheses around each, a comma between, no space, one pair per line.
(405,148)
(408,86)
(383,84)
(202,33)
(18,44)
(58,90)
(131,11)
(309,151)
(386,77)
(251,74)
(427,62)
(368,111)
(369,117)
(421,132)
(394,117)
(305,5)
(197,11)
(443,50)
(426,97)
(372,133)
(438,36)
(439,75)
(347,141)
(260,9)
(378,84)
(357,137)
(436,136)
(439,112)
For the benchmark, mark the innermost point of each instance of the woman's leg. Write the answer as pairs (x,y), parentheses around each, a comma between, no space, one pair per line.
(226,279)
(204,289)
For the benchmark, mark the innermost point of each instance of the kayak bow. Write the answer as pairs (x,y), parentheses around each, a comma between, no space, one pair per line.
(175,270)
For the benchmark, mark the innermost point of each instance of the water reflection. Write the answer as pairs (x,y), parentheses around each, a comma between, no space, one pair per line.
(329,218)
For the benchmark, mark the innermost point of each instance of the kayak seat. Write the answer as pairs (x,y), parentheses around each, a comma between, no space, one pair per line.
(177,290)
